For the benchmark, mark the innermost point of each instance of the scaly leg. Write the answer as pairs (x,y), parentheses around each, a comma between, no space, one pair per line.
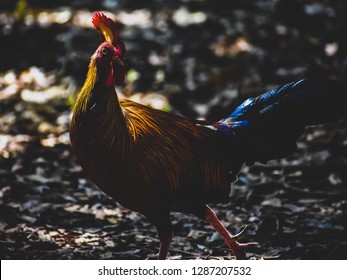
(236,247)
(164,246)
(165,231)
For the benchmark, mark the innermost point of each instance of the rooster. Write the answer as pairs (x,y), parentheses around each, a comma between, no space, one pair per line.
(154,162)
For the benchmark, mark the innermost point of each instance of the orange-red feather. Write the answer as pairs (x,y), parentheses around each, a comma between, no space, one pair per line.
(148,160)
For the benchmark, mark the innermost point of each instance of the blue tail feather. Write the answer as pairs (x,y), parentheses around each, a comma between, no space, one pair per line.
(268,126)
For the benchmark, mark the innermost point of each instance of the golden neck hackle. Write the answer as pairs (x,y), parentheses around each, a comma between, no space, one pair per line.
(84,95)
(106,120)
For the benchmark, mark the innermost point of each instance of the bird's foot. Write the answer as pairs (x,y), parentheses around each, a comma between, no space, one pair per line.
(231,240)
(152,256)
(245,245)
(239,248)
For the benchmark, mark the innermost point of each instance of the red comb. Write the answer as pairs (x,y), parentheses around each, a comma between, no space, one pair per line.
(100,19)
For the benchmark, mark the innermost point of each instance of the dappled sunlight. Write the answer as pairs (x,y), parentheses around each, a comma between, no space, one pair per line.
(199,59)
(11,145)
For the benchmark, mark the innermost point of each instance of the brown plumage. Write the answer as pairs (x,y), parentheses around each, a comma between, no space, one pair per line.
(147,160)
(153,162)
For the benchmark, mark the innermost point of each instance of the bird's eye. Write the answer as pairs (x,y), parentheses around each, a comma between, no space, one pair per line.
(104,51)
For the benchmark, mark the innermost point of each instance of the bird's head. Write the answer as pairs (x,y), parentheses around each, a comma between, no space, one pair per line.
(110,65)
(110,56)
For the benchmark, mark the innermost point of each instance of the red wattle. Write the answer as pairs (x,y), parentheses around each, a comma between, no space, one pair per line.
(110,76)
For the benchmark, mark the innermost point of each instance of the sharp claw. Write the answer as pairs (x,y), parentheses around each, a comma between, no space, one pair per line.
(246,245)
(238,235)
(240,253)
(236,247)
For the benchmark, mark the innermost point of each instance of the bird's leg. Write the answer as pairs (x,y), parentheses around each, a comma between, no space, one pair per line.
(164,228)
(236,247)
(164,246)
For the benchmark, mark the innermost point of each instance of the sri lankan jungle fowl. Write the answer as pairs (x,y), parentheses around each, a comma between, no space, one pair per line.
(154,162)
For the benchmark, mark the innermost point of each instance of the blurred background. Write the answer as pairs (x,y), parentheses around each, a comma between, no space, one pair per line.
(198,58)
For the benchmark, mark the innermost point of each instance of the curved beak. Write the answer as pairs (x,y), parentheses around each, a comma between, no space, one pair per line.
(120,61)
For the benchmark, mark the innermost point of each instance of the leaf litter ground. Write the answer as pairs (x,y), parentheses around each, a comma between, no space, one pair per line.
(295,208)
